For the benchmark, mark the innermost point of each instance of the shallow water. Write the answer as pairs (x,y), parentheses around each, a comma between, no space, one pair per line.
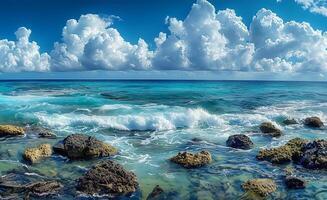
(150,121)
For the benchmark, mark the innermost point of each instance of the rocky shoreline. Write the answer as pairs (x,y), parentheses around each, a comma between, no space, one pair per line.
(109,178)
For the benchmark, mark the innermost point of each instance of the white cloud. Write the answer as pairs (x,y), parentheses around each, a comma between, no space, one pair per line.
(314,6)
(22,55)
(91,44)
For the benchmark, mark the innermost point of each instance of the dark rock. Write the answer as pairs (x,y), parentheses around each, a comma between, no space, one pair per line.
(260,186)
(293,182)
(107,178)
(283,154)
(290,121)
(268,128)
(80,146)
(190,160)
(313,122)
(196,140)
(156,193)
(239,141)
(10,130)
(315,155)
(41,132)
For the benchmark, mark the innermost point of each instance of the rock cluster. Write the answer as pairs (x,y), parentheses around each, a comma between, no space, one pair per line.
(80,146)
(192,160)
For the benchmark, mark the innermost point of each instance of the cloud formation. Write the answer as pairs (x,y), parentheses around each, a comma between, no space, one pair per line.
(206,40)
(314,6)
(22,55)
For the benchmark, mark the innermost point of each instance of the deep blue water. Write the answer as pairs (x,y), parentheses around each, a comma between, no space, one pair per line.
(150,121)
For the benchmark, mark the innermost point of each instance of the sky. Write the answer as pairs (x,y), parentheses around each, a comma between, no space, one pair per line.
(164,39)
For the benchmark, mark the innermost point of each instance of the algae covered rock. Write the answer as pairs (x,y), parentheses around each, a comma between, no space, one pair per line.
(157,193)
(267,128)
(107,178)
(292,150)
(315,155)
(10,130)
(261,186)
(80,146)
(314,122)
(192,160)
(239,141)
(293,182)
(35,154)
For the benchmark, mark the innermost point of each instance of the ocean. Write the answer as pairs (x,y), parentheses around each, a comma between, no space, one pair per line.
(151,121)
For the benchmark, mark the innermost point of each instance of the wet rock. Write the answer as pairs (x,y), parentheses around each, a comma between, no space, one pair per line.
(156,193)
(41,132)
(10,130)
(268,128)
(80,146)
(293,182)
(33,155)
(190,160)
(239,141)
(261,186)
(107,178)
(315,155)
(313,122)
(290,121)
(283,154)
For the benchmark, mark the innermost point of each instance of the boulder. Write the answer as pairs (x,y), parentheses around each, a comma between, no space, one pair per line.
(190,160)
(313,122)
(290,121)
(260,186)
(156,193)
(283,154)
(268,128)
(239,141)
(80,146)
(314,155)
(293,182)
(10,130)
(35,154)
(107,178)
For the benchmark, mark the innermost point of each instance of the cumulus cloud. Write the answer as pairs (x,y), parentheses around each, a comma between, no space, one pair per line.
(90,43)
(314,6)
(22,55)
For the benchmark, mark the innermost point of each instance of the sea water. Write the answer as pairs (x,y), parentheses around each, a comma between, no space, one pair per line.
(151,121)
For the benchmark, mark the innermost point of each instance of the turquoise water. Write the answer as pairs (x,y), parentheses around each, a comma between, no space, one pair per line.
(150,121)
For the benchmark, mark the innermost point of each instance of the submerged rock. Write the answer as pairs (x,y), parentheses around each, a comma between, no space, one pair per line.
(107,178)
(290,121)
(314,122)
(33,155)
(293,182)
(80,146)
(239,141)
(156,193)
(268,128)
(315,155)
(190,160)
(10,130)
(41,132)
(291,150)
(260,186)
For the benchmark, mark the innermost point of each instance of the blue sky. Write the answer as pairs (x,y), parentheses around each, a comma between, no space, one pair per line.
(43,23)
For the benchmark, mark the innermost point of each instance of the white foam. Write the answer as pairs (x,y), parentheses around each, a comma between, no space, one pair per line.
(168,120)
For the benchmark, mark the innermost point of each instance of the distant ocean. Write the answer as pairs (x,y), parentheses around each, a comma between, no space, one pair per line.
(151,121)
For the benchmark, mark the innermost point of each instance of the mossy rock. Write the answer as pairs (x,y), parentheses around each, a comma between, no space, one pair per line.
(35,154)
(192,160)
(10,130)
(261,186)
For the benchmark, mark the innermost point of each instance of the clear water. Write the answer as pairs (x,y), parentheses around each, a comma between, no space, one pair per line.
(150,121)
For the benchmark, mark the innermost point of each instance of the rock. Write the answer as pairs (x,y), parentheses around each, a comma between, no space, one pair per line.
(80,146)
(10,130)
(313,122)
(268,128)
(315,155)
(283,154)
(33,155)
(290,121)
(190,160)
(293,182)
(260,186)
(40,132)
(107,177)
(239,141)
(45,188)
(156,193)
